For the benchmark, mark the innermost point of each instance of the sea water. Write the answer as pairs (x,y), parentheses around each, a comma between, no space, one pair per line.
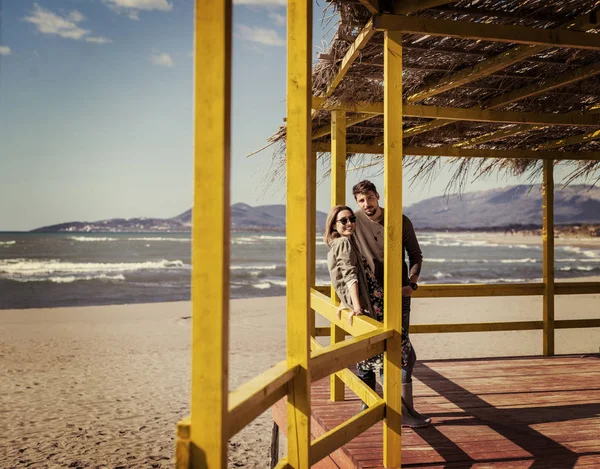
(40,270)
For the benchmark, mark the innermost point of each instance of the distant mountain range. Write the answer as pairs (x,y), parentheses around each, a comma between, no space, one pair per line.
(243,218)
(515,206)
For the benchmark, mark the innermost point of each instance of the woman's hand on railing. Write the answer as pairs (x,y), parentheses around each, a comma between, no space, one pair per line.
(356,312)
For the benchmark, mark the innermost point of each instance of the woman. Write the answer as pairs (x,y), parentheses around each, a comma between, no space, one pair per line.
(359,291)
(352,278)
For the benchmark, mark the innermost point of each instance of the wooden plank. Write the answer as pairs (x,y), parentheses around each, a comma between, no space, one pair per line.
(371,5)
(298,242)
(210,248)
(257,395)
(576,323)
(360,326)
(548,255)
(476,327)
(477,290)
(326,129)
(345,432)
(354,51)
(356,385)
(574,140)
(471,152)
(487,32)
(313,233)
(338,197)
(549,84)
(393,249)
(182,444)
(492,65)
(576,288)
(335,357)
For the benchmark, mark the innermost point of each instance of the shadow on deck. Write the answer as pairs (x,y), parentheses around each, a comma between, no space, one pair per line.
(526,412)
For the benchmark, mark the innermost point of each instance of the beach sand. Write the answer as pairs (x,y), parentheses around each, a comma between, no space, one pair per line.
(104,387)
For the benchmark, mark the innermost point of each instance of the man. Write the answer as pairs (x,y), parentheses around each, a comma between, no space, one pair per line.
(369,235)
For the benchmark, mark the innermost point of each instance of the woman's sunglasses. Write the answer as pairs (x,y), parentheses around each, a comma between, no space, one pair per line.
(345,220)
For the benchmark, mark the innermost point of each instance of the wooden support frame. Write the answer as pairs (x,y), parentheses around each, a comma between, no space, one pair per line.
(345,432)
(393,248)
(490,66)
(338,197)
(487,32)
(452,152)
(330,359)
(548,255)
(326,129)
(255,396)
(472,114)
(409,6)
(298,240)
(575,139)
(210,250)
(353,52)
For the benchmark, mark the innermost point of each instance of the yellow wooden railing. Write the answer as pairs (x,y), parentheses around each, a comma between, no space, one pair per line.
(216,413)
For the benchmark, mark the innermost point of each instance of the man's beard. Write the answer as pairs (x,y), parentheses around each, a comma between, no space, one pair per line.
(371,211)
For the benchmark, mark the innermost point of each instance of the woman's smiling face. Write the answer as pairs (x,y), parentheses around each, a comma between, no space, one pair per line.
(345,223)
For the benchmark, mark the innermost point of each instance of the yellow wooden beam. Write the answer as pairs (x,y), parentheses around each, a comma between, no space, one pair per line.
(313,233)
(210,248)
(548,255)
(282,464)
(393,249)
(335,357)
(371,5)
(345,432)
(356,385)
(338,197)
(575,139)
(476,114)
(487,32)
(576,323)
(477,71)
(353,52)
(576,288)
(360,326)
(476,327)
(298,242)
(471,152)
(478,290)
(549,84)
(496,135)
(182,444)
(326,129)
(257,395)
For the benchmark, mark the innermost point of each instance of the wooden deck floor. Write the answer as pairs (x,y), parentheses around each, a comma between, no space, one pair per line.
(536,413)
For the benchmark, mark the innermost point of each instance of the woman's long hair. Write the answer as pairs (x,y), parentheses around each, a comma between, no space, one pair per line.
(330,232)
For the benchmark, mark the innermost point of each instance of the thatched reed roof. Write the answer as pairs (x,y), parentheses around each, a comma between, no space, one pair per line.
(432,60)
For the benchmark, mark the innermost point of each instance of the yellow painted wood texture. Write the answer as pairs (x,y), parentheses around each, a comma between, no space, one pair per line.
(487,32)
(298,242)
(393,250)
(210,248)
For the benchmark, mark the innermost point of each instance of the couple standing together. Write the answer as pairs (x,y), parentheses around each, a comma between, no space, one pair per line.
(355,262)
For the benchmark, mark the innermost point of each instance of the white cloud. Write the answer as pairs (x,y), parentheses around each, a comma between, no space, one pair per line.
(98,39)
(161,59)
(264,3)
(132,8)
(4,50)
(278,19)
(66,27)
(268,37)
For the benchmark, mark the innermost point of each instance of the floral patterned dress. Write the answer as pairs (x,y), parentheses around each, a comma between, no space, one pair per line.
(375,363)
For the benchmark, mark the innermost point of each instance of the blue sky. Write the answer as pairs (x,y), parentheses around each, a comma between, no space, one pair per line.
(96,109)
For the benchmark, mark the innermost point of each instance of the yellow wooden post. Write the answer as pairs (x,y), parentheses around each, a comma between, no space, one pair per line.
(313,234)
(298,244)
(338,197)
(394,257)
(548,255)
(210,247)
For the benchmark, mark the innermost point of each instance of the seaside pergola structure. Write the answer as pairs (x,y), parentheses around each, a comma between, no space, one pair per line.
(489,96)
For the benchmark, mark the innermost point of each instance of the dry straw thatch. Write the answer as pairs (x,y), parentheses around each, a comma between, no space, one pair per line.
(429,59)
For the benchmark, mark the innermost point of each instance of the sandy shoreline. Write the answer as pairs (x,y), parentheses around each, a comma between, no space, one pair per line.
(104,386)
